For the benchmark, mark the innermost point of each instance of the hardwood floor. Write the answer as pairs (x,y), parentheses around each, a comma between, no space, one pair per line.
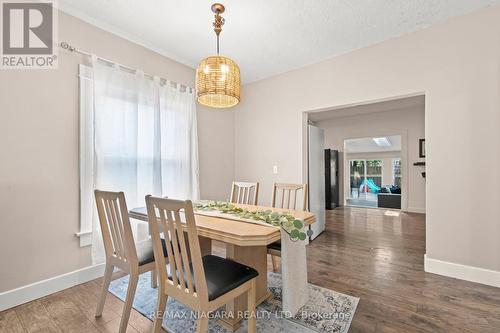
(363,252)
(71,310)
(379,258)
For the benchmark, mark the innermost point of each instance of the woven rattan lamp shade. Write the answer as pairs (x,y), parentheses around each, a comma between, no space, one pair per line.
(218,82)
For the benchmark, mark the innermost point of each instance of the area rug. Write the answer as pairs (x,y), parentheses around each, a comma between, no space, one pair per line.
(326,310)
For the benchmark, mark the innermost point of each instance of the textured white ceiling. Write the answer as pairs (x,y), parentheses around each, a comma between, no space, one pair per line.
(367,145)
(265,37)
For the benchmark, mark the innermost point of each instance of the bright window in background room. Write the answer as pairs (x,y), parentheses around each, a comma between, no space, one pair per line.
(365,181)
(396,172)
(356,176)
(374,171)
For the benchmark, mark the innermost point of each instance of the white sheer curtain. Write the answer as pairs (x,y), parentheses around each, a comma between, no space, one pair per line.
(145,139)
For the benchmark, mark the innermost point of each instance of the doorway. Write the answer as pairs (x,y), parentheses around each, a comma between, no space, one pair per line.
(401,116)
(372,176)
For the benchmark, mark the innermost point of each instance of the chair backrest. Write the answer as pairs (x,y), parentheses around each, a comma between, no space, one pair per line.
(244,193)
(115,226)
(174,219)
(285,196)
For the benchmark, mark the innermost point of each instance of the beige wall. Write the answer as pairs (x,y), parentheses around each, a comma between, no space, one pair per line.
(457,65)
(407,122)
(39,154)
(216,152)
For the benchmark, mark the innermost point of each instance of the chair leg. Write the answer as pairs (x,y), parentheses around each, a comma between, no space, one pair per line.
(202,326)
(154,279)
(160,310)
(108,273)
(252,315)
(132,285)
(275,263)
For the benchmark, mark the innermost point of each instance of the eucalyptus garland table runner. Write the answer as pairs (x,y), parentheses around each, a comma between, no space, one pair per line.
(293,246)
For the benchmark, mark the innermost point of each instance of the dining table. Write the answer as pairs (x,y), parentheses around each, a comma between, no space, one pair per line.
(245,243)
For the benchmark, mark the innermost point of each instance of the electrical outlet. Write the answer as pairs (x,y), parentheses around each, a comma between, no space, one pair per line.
(275,169)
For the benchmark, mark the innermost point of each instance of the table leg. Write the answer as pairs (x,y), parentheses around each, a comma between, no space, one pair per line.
(256,257)
(205,245)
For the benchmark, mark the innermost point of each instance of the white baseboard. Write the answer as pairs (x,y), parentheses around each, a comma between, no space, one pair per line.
(415,210)
(21,295)
(462,272)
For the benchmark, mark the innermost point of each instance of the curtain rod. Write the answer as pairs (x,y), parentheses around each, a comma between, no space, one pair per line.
(70,48)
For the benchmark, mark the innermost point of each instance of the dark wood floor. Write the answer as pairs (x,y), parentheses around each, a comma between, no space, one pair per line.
(363,253)
(380,259)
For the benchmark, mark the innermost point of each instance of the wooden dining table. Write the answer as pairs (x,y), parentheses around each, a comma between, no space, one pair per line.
(245,243)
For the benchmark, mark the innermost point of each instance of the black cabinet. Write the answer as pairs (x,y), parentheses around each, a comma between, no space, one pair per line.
(331,178)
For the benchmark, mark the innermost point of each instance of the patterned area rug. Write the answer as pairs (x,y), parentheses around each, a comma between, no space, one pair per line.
(326,311)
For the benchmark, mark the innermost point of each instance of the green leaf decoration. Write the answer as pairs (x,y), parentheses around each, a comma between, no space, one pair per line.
(294,233)
(293,227)
(298,224)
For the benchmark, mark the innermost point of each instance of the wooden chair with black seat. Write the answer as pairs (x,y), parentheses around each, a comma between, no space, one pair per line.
(285,196)
(202,283)
(121,250)
(244,193)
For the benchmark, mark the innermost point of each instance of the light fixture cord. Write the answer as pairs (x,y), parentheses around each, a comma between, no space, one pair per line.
(218,23)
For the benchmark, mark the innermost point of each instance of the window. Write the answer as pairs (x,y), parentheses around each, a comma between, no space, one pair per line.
(365,181)
(396,172)
(138,136)
(374,171)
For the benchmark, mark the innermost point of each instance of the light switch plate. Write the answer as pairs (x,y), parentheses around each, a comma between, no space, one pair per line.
(275,169)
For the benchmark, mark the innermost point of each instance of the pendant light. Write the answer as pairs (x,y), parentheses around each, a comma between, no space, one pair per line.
(218,77)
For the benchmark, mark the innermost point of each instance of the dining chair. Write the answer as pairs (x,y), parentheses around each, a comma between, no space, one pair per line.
(244,193)
(121,250)
(285,196)
(202,283)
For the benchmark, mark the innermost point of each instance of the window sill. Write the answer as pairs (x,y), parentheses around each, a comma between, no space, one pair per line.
(85,238)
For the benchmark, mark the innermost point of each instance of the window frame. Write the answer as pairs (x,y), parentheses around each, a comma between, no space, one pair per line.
(86,153)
